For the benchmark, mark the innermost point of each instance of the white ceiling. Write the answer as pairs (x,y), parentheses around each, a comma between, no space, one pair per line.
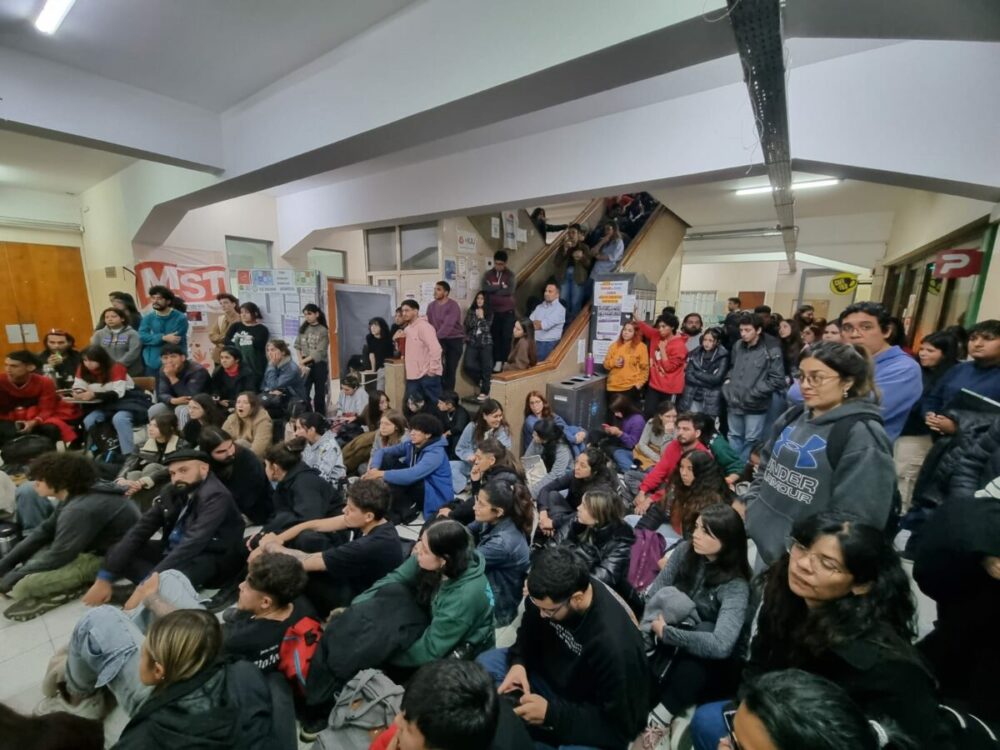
(33,163)
(211,53)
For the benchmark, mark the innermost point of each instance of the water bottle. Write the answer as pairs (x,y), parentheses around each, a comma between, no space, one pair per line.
(589,366)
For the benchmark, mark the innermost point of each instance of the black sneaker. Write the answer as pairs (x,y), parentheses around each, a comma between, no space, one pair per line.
(23,610)
(121,593)
(224,598)
(310,728)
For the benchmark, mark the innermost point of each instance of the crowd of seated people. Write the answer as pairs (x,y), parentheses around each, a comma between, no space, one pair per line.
(640,579)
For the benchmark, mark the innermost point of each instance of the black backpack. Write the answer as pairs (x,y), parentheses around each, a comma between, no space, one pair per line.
(835,447)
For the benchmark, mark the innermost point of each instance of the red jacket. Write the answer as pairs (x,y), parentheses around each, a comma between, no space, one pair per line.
(667,358)
(38,400)
(669,459)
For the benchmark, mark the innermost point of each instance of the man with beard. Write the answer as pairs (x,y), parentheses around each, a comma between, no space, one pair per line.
(240,470)
(164,325)
(692,326)
(60,359)
(202,532)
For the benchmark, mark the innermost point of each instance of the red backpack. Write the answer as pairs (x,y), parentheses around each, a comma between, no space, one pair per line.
(297,648)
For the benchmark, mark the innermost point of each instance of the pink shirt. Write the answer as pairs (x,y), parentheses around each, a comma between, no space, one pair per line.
(423,350)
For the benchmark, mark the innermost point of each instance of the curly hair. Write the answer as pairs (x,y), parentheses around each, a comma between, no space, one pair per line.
(64,471)
(708,488)
(279,576)
(792,634)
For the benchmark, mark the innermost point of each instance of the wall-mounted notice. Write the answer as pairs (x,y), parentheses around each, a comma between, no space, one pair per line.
(611,301)
(450,269)
(495,228)
(510,230)
(522,234)
(467,241)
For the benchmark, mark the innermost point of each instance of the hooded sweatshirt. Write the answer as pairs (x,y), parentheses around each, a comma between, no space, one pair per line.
(796,479)
(428,464)
(461,612)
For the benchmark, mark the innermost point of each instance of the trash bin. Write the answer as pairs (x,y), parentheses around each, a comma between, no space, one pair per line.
(580,400)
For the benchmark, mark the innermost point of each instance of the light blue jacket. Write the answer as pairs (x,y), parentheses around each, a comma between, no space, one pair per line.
(284,376)
(467,445)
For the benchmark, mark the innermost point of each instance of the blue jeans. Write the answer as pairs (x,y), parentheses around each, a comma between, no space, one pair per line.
(181,412)
(495,662)
(106,645)
(544,348)
(122,421)
(708,726)
(744,431)
(623,458)
(573,295)
(429,385)
(32,508)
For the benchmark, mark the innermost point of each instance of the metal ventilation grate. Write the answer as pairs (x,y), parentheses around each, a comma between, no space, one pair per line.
(757,27)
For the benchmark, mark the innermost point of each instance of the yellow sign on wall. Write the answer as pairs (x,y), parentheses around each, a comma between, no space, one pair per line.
(844,283)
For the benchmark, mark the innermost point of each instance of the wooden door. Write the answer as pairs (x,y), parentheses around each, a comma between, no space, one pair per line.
(331,319)
(750,300)
(43,285)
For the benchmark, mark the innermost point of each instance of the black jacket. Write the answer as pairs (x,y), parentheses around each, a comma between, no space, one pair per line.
(226,388)
(757,372)
(462,510)
(223,707)
(454,422)
(703,377)
(607,551)
(192,380)
(303,495)
(212,526)
(978,463)
(246,480)
(948,554)
(364,636)
(93,522)
(140,458)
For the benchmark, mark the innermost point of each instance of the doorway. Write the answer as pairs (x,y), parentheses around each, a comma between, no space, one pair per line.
(44,288)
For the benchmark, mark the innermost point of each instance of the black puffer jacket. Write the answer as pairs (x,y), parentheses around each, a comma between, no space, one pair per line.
(703,378)
(224,707)
(978,463)
(607,551)
(957,462)
(303,495)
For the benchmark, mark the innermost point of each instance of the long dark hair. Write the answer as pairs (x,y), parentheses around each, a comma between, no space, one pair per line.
(489,406)
(546,407)
(514,499)
(529,336)
(656,423)
(601,473)
(286,455)
(708,488)
(451,541)
(383,328)
(726,525)
(791,633)
(625,405)
(214,414)
(321,319)
(948,345)
(102,358)
(503,458)
(551,435)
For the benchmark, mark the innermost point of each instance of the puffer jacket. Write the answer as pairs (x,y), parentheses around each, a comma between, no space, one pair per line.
(478,330)
(757,372)
(703,379)
(223,707)
(978,463)
(607,551)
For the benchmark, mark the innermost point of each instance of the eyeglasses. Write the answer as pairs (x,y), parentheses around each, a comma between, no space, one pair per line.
(824,564)
(550,611)
(861,328)
(814,379)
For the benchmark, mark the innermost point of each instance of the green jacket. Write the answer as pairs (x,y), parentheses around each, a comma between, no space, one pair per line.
(461,613)
(725,456)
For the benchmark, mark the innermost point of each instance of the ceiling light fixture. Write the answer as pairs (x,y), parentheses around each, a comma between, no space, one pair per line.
(52,15)
(734,234)
(795,186)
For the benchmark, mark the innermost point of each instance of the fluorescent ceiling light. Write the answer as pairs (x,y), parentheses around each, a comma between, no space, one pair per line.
(52,15)
(734,234)
(795,186)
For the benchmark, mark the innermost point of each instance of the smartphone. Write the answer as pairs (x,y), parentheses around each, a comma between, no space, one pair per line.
(729,717)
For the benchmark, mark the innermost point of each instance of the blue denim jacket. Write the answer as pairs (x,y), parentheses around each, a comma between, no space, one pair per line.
(505,550)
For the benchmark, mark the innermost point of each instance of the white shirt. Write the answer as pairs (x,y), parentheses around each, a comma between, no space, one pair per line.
(552,316)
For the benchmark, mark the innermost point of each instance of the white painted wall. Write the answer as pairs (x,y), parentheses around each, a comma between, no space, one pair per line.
(915,108)
(929,217)
(729,279)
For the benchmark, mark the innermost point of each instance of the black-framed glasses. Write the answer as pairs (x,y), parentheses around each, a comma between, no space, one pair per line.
(550,611)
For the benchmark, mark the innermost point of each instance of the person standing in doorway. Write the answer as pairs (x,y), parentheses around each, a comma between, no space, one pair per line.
(230,315)
(423,354)
(548,318)
(164,325)
(313,345)
(499,284)
(731,325)
(446,317)
(572,265)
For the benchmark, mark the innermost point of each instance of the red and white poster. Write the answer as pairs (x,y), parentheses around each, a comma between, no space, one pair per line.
(193,284)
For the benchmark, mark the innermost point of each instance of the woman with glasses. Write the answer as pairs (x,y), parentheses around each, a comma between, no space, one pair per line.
(831,454)
(838,604)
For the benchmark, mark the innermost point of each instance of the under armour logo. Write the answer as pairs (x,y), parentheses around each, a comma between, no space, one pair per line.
(806,458)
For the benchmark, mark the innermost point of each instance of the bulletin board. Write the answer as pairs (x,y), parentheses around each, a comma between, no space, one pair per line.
(281,293)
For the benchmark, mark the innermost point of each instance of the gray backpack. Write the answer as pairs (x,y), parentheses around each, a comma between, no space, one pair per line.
(366,706)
